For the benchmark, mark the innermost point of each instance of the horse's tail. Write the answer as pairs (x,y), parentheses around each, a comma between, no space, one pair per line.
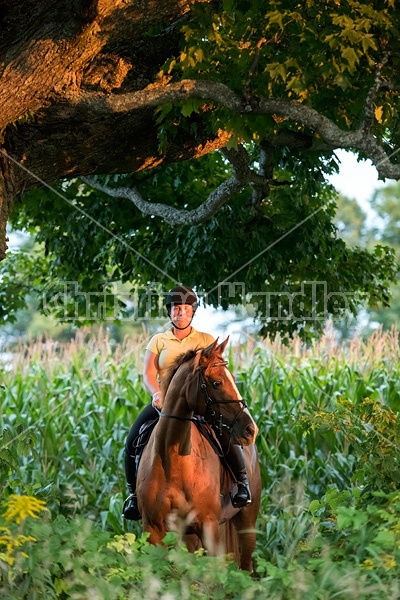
(229,539)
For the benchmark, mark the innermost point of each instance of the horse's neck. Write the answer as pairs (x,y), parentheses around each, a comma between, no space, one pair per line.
(176,396)
(175,426)
(175,405)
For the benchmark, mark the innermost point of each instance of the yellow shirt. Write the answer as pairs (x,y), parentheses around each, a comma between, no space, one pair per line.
(167,347)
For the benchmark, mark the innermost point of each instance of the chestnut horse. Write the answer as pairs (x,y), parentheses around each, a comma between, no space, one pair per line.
(181,478)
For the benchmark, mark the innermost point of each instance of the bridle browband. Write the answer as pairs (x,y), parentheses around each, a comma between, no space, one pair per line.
(210,416)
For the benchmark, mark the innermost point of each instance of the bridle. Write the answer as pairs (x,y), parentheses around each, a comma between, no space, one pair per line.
(210,416)
(210,401)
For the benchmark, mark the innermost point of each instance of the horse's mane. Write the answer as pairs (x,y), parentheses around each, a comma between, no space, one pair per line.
(182,358)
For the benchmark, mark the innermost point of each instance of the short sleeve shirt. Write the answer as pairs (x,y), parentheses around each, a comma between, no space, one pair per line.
(168,347)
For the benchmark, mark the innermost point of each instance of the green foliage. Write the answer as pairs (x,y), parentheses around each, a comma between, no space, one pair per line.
(365,534)
(65,416)
(23,274)
(321,53)
(78,279)
(372,432)
(355,230)
(351,221)
(73,559)
(385,202)
(15,442)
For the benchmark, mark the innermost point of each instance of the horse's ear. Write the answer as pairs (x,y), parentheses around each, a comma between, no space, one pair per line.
(203,353)
(196,361)
(207,352)
(222,346)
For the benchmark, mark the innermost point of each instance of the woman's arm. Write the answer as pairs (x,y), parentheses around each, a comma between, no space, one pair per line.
(150,370)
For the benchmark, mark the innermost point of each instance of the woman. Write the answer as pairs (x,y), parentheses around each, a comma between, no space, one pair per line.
(161,352)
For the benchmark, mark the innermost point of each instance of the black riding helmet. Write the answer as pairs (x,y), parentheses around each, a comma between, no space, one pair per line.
(181,294)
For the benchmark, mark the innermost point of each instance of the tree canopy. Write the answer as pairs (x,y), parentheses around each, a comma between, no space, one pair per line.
(194,140)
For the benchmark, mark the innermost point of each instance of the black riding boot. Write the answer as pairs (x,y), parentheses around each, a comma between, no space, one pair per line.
(235,460)
(130,508)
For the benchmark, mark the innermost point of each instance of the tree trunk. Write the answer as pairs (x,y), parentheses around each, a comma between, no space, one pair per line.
(9,186)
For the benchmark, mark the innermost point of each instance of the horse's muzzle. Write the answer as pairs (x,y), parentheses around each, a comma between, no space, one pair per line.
(245,430)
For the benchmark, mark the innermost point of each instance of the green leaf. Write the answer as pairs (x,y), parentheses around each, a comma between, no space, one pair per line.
(315,507)
(385,539)
(351,56)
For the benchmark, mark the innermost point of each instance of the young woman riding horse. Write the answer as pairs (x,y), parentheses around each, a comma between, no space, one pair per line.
(161,352)
(182,484)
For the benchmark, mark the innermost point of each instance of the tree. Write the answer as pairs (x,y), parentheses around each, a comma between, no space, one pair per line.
(386,202)
(356,229)
(257,95)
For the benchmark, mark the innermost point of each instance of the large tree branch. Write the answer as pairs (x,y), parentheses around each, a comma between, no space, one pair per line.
(242,175)
(240,162)
(369,109)
(170,214)
(331,134)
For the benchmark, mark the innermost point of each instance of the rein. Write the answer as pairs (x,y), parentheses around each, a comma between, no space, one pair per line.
(161,414)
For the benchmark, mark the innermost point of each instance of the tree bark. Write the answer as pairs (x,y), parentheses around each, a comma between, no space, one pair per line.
(53,51)
(54,55)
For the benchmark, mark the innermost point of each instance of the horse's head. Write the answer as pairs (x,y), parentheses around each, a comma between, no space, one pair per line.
(218,398)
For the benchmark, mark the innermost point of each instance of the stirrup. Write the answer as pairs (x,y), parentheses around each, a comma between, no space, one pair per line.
(242,497)
(130,510)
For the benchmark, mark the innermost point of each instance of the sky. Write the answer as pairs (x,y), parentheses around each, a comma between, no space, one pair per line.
(356,179)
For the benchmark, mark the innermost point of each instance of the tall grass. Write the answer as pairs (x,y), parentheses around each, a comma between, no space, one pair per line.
(67,408)
(78,401)
(289,382)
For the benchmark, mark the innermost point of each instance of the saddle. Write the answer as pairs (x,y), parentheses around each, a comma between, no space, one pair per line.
(204,428)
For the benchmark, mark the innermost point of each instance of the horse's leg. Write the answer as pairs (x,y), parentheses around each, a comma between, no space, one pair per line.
(245,522)
(157,531)
(210,537)
(193,542)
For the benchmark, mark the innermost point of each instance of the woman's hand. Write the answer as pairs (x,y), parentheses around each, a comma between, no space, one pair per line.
(156,400)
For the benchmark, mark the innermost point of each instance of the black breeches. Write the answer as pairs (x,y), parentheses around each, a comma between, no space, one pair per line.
(148,414)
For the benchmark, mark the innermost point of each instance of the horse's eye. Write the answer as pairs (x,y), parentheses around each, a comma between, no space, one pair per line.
(216,383)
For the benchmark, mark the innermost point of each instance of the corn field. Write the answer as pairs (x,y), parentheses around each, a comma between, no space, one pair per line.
(328,446)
